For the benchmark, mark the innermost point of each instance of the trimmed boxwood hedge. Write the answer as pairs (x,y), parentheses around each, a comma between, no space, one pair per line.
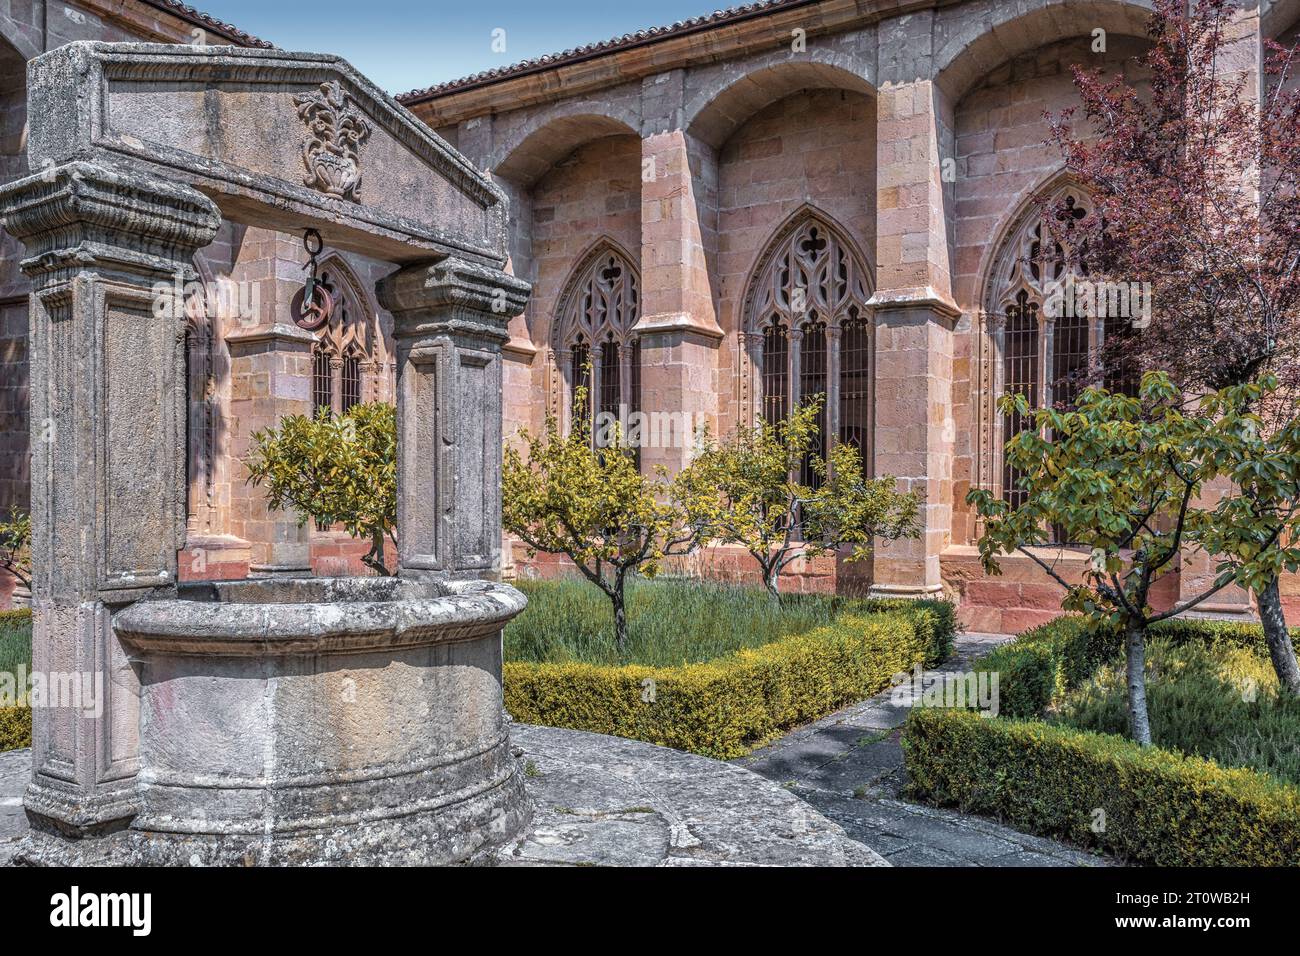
(1160,808)
(15,727)
(721,708)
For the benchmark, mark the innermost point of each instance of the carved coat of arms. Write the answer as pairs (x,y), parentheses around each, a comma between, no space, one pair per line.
(337,131)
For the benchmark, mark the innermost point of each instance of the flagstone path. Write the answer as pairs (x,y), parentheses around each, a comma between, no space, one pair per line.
(849,767)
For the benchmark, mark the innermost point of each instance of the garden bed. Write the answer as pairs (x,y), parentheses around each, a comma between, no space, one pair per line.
(1219,788)
(729,669)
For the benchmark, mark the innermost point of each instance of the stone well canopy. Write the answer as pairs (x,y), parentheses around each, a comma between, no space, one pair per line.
(286,140)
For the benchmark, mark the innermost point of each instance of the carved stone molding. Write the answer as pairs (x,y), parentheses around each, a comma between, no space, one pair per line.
(600,299)
(78,215)
(808,272)
(149,107)
(452,296)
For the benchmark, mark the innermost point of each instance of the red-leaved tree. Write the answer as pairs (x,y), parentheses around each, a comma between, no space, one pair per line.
(1194,188)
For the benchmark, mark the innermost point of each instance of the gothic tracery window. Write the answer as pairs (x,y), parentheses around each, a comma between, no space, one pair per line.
(1048,354)
(351,360)
(808,331)
(594,341)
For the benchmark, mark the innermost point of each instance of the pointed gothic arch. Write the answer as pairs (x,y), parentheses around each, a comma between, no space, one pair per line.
(595,322)
(806,328)
(1023,346)
(353,358)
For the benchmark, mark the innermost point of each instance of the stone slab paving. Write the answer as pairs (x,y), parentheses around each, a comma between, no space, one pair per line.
(15,771)
(608,801)
(613,802)
(849,766)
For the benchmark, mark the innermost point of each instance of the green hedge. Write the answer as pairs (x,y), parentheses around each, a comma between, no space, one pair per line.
(15,727)
(721,708)
(15,649)
(1161,808)
(1043,663)
(937,621)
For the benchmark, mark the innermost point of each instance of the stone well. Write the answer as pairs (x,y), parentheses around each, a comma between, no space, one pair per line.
(352,720)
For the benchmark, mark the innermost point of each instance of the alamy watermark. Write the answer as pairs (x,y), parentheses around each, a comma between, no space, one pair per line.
(1081,298)
(966,690)
(221,298)
(641,429)
(81,691)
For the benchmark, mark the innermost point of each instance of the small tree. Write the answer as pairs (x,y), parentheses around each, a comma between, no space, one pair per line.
(334,471)
(1121,476)
(746,492)
(592,505)
(15,546)
(1263,463)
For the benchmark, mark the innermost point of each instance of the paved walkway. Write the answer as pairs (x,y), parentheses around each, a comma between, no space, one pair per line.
(613,802)
(15,771)
(849,767)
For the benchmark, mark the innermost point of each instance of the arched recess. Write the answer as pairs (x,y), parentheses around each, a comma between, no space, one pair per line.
(20,41)
(980,45)
(807,329)
(353,360)
(526,155)
(595,318)
(522,159)
(1025,347)
(715,114)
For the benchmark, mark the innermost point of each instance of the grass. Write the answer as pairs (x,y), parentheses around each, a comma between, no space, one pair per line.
(670,622)
(1216,700)
(15,640)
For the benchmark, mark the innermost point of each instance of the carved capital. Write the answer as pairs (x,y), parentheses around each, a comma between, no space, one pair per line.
(452,296)
(79,216)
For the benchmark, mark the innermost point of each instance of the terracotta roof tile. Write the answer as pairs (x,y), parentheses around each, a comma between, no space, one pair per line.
(640,37)
(209,23)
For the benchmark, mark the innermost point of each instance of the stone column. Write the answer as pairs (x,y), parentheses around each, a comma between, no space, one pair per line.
(914,317)
(450,320)
(108,458)
(678,328)
(1241,58)
(270,378)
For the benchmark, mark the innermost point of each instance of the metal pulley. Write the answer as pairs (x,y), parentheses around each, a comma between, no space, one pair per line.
(313,304)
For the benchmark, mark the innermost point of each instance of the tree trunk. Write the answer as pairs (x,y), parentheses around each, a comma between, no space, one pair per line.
(374,559)
(1138,721)
(620,616)
(772,581)
(1278,638)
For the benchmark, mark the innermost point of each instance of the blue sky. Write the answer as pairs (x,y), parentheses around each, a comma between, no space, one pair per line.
(407,44)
